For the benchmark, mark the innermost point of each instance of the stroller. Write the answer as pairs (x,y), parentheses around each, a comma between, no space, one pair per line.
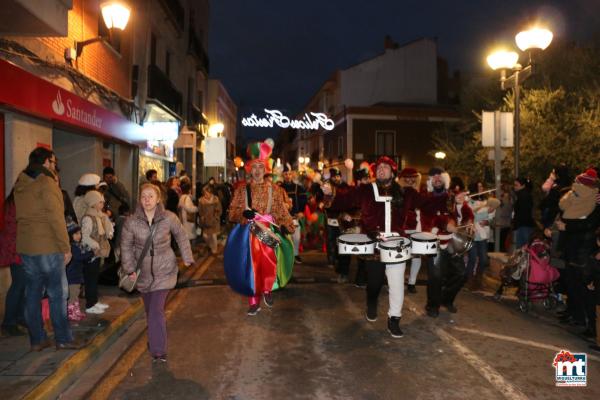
(529,269)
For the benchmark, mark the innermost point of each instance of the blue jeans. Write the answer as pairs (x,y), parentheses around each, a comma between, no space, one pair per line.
(479,250)
(14,310)
(522,236)
(46,272)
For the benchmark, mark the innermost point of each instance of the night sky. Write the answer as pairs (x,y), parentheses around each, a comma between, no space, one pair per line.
(277,53)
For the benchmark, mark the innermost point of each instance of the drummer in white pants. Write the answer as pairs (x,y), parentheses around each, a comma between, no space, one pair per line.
(411,178)
(373,223)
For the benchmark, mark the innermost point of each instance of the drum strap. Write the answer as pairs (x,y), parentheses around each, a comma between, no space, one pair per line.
(249,199)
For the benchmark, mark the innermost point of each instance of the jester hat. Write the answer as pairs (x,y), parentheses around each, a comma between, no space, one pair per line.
(259,152)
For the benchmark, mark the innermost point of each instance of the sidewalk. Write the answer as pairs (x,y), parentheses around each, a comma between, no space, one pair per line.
(34,375)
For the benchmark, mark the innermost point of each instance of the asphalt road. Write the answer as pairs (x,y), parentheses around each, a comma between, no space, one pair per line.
(316,344)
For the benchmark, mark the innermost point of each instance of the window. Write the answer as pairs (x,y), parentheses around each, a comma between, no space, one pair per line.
(152,49)
(168,64)
(385,143)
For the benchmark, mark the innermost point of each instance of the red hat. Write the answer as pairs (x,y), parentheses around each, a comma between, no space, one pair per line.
(388,161)
(588,178)
(408,172)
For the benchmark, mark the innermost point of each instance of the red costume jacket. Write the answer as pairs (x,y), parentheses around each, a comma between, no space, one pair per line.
(372,213)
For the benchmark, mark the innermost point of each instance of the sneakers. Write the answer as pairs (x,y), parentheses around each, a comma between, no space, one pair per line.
(94,310)
(298,260)
(102,305)
(72,345)
(394,327)
(412,288)
(371,313)
(268,299)
(253,310)
(159,359)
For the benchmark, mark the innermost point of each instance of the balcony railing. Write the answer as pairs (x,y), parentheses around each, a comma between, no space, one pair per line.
(196,49)
(175,11)
(161,89)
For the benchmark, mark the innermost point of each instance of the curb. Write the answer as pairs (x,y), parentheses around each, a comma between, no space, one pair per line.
(54,384)
(71,368)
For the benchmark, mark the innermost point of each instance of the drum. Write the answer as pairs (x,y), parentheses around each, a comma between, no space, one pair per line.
(355,243)
(460,243)
(396,250)
(264,234)
(424,243)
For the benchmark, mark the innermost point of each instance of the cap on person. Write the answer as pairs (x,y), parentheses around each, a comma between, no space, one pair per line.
(89,180)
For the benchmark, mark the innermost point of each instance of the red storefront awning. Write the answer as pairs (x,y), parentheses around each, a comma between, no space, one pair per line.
(30,94)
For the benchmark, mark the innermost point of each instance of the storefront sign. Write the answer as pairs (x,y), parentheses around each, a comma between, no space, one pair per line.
(33,95)
(310,121)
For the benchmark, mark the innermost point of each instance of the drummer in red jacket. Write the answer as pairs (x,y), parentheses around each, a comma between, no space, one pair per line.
(446,275)
(373,224)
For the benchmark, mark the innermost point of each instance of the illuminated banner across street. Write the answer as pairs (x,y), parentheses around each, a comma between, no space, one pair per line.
(272,118)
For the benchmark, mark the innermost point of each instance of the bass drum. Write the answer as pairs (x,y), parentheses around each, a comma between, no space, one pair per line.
(355,243)
(396,250)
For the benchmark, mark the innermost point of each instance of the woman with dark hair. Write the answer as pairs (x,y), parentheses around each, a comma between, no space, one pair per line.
(187,210)
(558,182)
(14,310)
(86,183)
(173,193)
(523,222)
(210,215)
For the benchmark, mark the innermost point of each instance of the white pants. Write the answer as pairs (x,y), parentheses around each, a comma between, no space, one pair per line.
(296,239)
(395,278)
(212,242)
(415,266)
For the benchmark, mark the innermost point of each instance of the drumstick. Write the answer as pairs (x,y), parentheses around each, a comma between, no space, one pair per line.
(272,223)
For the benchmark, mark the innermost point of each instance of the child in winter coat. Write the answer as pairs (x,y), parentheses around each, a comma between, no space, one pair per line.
(81,255)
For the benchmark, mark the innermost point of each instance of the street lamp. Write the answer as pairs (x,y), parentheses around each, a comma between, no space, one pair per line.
(115,15)
(440,155)
(215,130)
(532,40)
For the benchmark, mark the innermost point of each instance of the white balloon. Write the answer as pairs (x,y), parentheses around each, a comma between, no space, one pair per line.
(270,142)
(349,163)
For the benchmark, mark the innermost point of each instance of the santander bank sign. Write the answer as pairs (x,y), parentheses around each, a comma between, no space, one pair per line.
(310,121)
(75,113)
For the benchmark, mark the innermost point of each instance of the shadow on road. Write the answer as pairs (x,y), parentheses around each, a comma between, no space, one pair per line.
(164,385)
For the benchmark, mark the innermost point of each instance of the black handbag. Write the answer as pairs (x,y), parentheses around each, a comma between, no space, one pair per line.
(125,282)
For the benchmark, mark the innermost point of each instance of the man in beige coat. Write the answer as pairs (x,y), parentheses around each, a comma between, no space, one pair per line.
(43,244)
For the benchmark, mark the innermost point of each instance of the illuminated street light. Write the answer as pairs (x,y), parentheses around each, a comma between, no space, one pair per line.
(440,155)
(115,14)
(215,130)
(502,59)
(531,40)
(535,38)
(300,160)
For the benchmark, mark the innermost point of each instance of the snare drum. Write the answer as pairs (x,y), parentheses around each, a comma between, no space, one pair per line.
(424,243)
(355,243)
(396,250)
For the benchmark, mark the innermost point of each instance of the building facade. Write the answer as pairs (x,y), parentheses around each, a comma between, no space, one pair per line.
(102,97)
(387,105)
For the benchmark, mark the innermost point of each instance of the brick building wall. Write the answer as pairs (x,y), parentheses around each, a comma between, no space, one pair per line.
(99,61)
